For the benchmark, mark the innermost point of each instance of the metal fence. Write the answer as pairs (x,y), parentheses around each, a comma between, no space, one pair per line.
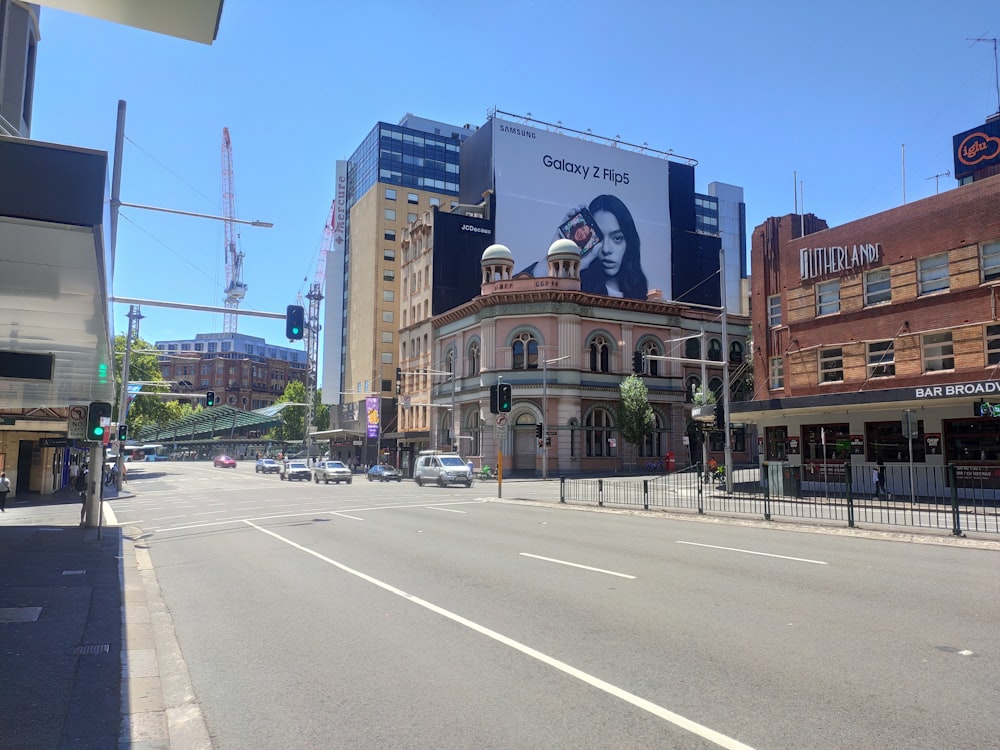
(959,498)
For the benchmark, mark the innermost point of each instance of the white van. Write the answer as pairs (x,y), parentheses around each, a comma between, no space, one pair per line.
(443,468)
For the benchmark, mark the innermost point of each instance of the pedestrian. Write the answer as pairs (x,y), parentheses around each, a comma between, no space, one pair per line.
(472,467)
(81,487)
(74,471)
(4,489)
(878,479)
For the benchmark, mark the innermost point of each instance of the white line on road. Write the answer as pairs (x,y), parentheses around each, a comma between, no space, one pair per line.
(677,720)
(446,510)
(577,565)
(344,515)
(751,552)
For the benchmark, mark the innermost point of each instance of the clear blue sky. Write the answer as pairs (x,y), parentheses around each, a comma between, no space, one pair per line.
(754,91)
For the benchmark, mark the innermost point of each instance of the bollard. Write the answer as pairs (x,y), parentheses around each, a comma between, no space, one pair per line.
(562,489)
(850,497)
(701,493)
(645,494)
(600,493)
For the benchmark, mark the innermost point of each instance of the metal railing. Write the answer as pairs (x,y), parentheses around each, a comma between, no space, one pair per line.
(960,498)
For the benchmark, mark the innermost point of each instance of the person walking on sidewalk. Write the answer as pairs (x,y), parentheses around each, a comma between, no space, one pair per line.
(4,489)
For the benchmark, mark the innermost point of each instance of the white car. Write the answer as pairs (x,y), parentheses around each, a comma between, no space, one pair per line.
(443,468)
(295,470)
(332,471)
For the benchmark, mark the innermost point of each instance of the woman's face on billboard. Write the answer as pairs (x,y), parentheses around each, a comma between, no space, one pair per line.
(612,249)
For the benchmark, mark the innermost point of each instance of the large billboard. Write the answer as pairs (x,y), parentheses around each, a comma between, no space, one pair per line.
(459,242)
(613,202)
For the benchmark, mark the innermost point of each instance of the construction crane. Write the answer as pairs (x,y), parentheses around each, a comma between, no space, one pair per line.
(235,288)
(313,327)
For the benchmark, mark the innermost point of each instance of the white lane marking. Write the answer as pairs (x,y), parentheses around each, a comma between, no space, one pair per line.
(577,565)
(677,720)
(751,552)
(446,510)
(344,515)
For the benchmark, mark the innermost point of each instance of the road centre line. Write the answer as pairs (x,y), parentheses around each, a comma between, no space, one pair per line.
(577,565)
(751,552)
(677,720)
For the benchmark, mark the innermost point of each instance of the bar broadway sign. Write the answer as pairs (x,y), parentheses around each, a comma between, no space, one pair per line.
(951,390)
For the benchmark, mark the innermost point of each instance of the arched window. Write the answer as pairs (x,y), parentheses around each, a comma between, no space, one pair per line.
(600,355)
(715,386)
(736,353)
(692,349)
(598,431)
(574,431)
(652,366)
(474,358)
(714,350)
(473,428)
(654,445)
(525,352)
(692,384)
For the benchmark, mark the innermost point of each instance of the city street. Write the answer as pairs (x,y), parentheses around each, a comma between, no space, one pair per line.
(378,615)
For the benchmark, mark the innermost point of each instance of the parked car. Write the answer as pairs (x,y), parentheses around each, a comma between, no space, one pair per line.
(384,473)
(295,470)
(332,471)
(224,462)
(267,466)
(443,468)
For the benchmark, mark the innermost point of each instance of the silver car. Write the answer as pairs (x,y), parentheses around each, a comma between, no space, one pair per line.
(295,470)
(443,468)
(332,471)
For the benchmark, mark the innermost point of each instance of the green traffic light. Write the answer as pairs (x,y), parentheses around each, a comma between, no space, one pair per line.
(98,431)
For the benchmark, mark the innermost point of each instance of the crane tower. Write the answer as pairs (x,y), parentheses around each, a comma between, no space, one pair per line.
(235,288)
(313,327)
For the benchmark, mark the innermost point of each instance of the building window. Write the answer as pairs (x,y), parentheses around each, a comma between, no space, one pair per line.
(774,310)
(435,201)
(387,295)
(386,337)
(387,316)
(939,354)
(735,353)
(650,366)
(390,234)
(932,274)
(993,345)
(878,287)
(831,365)
(474,358)
(390,214)
(692,348)
(598,432)
(884,442)
(412,198)
(777,372)
(990,261)
(715,350)
(386,360)
(828,297)
(390,194)
(600,355)
(693,384)
(881,359)
(410,218)
(389,255)
(525,352)
(388,275)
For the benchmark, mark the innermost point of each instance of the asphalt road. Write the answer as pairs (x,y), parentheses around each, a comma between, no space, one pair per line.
(392,616)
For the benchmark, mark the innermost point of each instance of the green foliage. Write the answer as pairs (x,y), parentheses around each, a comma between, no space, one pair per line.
(145,410)
(634,415)
(701,396)
(321,411)
(293,417)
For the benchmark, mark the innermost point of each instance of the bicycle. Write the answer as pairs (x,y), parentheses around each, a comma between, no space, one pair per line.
(487,472)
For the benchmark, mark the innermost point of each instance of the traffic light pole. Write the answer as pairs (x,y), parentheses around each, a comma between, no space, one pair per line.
(134,316)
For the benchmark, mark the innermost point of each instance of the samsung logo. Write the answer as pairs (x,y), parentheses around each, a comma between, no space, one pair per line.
(474,228)
(517,131)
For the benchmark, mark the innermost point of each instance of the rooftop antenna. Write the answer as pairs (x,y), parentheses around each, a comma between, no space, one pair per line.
(996,63)
(936,177)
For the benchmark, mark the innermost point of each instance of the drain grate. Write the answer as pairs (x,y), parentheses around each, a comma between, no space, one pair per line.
(100,648)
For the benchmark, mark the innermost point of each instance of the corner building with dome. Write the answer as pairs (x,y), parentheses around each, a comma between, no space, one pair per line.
(564,353)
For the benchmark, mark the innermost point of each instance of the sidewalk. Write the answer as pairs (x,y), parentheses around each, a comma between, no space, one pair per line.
(88,656)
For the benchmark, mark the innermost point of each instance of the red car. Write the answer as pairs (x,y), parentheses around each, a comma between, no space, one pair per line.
(224,462)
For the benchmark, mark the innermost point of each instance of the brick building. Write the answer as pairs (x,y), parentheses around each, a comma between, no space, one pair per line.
(854,324)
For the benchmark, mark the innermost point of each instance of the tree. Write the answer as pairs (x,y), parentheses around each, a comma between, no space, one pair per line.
(143,366)
(293,417)
(634,415)
(321,412)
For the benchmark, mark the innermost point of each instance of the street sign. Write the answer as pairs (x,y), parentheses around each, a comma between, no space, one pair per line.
(500,430)
(77,427)
(910,426)
(501,420)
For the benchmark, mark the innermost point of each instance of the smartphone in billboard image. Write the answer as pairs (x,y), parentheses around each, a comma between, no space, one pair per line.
(583,230)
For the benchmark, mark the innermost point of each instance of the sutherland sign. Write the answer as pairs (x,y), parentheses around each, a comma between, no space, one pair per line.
(824,261)
(951,390)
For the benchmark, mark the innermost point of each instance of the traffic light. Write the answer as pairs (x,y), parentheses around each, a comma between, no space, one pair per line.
(637,362)
(720,416)
(399,380)
(503,398)
(494,399)
(295,322)
(122,432)
(538,431)
(98,409)
(210,398)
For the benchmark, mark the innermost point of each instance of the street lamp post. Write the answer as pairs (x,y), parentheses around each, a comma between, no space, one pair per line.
(545,413)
